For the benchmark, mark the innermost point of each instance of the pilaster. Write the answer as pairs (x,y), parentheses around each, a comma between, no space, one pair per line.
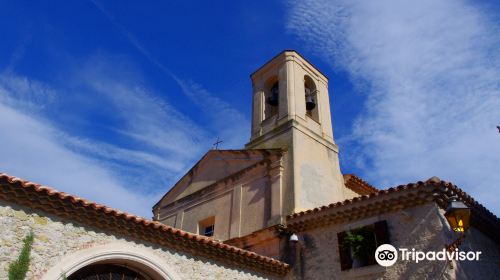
(275,174)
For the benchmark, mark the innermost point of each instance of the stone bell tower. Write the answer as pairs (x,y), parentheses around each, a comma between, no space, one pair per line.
(291,111)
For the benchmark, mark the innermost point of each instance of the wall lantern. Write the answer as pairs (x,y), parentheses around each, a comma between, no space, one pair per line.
(458,215)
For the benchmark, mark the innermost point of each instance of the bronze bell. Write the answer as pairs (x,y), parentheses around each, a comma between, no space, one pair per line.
(273,99)
(310,102)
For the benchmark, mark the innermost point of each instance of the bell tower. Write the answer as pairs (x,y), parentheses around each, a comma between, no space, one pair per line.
(291,111)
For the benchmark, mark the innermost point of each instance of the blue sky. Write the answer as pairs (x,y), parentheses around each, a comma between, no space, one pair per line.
(114,100)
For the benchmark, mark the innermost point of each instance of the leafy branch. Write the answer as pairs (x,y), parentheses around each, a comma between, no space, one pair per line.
(359,241)
(19,267)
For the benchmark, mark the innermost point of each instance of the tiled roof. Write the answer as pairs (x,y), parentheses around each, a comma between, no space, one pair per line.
(258,236)
(394,199)
(358,185)
(64,205)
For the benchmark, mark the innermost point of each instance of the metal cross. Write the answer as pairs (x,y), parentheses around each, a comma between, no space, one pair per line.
(216,144)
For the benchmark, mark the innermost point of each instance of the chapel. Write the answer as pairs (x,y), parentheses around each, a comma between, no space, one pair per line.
(290,164)
(257,197)
(279,208)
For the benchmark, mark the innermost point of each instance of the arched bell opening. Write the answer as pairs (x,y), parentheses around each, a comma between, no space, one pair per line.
(311,98)
(271,95)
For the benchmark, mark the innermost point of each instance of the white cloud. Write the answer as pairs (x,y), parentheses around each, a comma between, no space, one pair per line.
(20,91)
(114,153)
(430,73)
(30,150)
(146,117)
(148,144)
(34,147)
(226,122)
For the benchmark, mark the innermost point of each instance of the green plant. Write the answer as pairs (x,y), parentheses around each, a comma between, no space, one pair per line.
(360,241)
(19,267)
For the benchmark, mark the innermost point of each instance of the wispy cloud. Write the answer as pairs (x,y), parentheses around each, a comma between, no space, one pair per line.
(107,136)
(31,149)
(19,91)
(155,143)
(430,71)
(143,115)
(225,121)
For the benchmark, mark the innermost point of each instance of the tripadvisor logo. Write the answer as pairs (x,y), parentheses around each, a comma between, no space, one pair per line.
(387,255)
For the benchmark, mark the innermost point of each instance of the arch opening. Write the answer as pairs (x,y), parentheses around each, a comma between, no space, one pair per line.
(134,259)
(311,98)
(271,97)
(109,272)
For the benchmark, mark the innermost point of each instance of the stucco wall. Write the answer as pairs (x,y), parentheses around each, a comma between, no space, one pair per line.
(214,166)
(318,180)
(240,206)
(255,206)
(57,241)
(423,228)
(216,207)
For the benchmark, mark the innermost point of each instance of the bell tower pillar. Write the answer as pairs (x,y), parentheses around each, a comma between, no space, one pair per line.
(291,111)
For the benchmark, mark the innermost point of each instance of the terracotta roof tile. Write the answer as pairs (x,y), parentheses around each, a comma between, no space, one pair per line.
(87,211)
(358,185)
(408,195)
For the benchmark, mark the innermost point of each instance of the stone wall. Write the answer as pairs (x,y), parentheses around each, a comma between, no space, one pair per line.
(423,228)
(59,241)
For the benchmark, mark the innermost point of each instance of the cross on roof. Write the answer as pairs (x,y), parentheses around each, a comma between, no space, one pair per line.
(216,144)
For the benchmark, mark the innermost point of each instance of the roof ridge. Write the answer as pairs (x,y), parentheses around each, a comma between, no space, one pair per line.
(365,186)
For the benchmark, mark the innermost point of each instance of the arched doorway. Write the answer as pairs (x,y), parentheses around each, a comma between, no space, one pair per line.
(108,272)
(120,261)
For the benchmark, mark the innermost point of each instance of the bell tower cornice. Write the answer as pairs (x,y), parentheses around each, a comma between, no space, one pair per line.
(283,57)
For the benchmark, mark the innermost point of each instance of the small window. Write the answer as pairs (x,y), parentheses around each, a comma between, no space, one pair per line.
(357,246)
(206,227)
(209,230)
